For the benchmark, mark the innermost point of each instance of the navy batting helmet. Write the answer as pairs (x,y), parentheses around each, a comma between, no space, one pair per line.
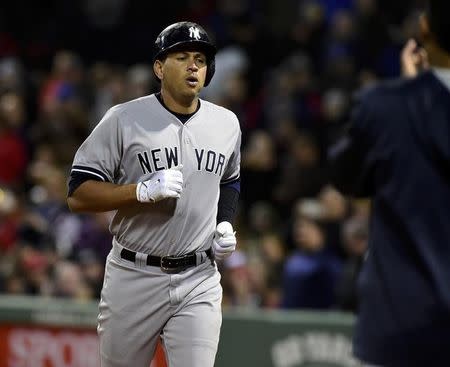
(183,35)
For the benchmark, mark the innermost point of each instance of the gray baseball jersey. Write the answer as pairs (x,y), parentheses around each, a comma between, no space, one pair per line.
(137,138)
(138,302)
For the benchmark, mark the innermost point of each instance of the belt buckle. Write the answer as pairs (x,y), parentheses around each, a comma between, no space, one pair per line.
(167,264)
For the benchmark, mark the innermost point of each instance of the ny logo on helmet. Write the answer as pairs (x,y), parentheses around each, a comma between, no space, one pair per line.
(194,32)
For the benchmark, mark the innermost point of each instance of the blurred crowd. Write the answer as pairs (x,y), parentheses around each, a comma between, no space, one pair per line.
(287,68)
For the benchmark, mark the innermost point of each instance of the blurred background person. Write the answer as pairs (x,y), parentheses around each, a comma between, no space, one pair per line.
(354,241)
(311,271)
(396,152)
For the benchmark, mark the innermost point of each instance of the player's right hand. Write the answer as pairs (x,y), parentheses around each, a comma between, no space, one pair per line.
(163,184)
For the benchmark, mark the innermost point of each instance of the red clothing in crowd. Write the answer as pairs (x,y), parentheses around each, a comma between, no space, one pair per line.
(13,157)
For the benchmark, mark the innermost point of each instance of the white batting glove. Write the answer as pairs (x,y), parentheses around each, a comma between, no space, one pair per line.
(224,241)
(163,184)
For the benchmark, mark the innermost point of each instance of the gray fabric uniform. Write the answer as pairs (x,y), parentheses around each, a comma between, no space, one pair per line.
(138,302)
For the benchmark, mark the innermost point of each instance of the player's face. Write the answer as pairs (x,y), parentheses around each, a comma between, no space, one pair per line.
(185,72)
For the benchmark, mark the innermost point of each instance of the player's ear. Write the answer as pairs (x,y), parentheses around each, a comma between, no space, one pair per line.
(157,69)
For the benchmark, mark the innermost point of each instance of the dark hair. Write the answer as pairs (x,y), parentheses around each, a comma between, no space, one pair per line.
(438,12)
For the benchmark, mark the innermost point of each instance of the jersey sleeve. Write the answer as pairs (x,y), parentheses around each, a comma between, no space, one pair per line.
(232,170)
(100,154)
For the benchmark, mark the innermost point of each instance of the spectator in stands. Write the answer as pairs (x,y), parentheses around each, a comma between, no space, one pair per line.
(93,237)
(338,60)
(273,252)
(13,147)
(311,271)
(10,217)
(92,270)
(238,289)
(266,253)
(69,282)
(63,113)
(301,174)
(354,239)
(258,168)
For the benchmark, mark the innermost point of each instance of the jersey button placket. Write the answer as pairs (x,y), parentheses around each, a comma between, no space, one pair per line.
(185,144)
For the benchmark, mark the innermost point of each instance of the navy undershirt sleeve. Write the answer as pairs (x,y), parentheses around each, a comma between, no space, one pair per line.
(228,201)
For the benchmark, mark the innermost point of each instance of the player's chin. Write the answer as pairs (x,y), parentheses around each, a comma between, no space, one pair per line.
(194,86)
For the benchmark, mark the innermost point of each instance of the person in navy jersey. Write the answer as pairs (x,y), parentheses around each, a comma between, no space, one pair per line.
(396,151)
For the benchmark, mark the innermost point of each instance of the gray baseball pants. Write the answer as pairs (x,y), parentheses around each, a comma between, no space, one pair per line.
(140,303)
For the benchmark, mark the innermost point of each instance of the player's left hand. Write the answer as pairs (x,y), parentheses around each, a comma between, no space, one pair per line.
(224,241)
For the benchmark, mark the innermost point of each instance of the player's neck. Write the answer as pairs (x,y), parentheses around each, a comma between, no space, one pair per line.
(437,56)
(185,107)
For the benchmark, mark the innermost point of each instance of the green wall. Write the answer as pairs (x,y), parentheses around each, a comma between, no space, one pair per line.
(249,338)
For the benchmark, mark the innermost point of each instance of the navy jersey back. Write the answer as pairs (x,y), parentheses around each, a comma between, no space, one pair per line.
(398,153)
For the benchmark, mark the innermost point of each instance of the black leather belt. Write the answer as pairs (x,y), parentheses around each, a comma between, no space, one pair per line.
(169,264)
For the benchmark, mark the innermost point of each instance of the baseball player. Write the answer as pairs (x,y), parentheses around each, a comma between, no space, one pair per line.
(168,165)
(397,152)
